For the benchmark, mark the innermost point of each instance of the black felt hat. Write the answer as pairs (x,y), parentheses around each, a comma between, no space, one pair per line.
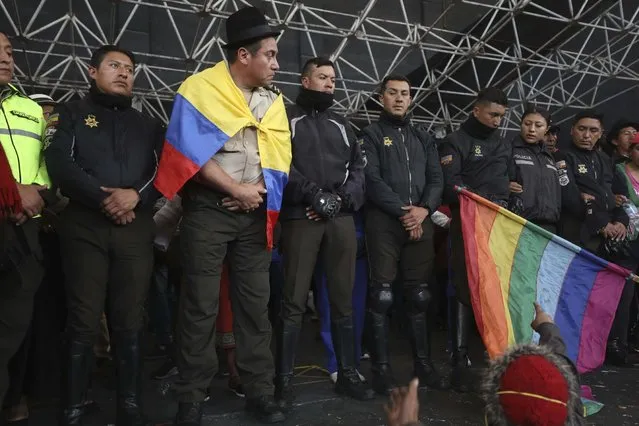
(247,25)
(619,126)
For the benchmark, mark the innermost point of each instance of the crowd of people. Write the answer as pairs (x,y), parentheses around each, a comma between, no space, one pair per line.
(259,203)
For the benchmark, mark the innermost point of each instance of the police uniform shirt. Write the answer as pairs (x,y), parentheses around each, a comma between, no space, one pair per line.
(240,156)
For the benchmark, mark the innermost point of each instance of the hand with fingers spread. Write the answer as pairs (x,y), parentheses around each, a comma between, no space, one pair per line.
(414,217)
(119,202)
(403,407)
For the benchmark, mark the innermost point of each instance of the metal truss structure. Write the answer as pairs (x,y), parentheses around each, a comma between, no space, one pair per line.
(561,54)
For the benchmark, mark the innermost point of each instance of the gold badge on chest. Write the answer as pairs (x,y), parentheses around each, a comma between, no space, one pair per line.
(91,121)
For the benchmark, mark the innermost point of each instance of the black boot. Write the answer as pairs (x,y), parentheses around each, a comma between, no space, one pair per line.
(286,343)
(420,343)
(75,382)
(128,370)
(265,409)
(383,382)
(189,414)
(348,381)
(461,378)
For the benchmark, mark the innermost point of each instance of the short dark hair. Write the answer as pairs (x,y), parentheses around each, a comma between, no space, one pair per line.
(588,113)
(319,61)
(492,95)
(252,46)
(533,109)
(101,52)
(392,77)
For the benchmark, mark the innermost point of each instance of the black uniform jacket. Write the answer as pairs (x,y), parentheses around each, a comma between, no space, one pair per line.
(402,166)
(326,156)
(102,141)
(533,167)
(478,158)
(592,174)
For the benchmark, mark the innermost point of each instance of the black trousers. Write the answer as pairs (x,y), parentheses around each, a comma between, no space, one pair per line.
(210,233)
(105,265)
(21,272)
(390,250)
(302,242)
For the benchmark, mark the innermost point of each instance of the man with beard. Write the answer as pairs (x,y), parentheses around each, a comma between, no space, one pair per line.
(403,188)
(325,188)
(103,155)
(475,157)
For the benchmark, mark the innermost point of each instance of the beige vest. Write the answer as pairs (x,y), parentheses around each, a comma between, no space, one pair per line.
(240,155)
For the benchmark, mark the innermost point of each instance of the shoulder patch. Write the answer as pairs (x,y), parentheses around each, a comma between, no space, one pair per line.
(561,164)
(446,160)
(52,127)
(24,115)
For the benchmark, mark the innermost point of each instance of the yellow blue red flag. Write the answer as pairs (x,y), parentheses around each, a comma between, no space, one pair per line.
(207,111)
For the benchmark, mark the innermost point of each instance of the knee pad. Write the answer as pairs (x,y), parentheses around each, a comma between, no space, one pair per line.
(381,298)
(419,297)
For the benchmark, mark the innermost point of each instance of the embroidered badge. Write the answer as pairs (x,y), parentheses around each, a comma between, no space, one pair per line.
(90,121)
(581,168)
(561,164)
(388,141)
(446,160)
(478,152)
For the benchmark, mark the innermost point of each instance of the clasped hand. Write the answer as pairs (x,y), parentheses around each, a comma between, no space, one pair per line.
(245,196)
(32,202)
(412,221)
(119,205)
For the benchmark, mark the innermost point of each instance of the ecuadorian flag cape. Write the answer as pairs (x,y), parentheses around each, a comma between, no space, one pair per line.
(513,263)
(207,111)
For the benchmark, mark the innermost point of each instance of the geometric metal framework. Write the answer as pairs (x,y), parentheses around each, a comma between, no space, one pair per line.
(561,54)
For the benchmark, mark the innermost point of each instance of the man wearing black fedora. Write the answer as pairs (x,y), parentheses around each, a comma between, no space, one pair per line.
(225,218)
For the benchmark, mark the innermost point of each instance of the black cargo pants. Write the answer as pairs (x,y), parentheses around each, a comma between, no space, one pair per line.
(105,262)
(210,233)
(390,250)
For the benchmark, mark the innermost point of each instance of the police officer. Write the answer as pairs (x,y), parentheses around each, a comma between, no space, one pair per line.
(103,155)
(403,188)
(475,156)
(598,225)
(225,216)
(325,188)
(534,180)
(23,184)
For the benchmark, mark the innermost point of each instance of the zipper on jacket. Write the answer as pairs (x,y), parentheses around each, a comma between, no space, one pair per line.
(410,175)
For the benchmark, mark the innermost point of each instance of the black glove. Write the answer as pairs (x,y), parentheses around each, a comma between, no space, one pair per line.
(346,199)
(326,204)
(516,205)
(615,249)
(500,202)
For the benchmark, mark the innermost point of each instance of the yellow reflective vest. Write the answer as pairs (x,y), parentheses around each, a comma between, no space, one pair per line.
(22,134)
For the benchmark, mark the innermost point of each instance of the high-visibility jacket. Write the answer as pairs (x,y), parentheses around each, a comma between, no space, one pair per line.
(22,127)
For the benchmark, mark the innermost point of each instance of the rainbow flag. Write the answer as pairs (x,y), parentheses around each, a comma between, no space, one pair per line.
(207,111)
(512,263)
